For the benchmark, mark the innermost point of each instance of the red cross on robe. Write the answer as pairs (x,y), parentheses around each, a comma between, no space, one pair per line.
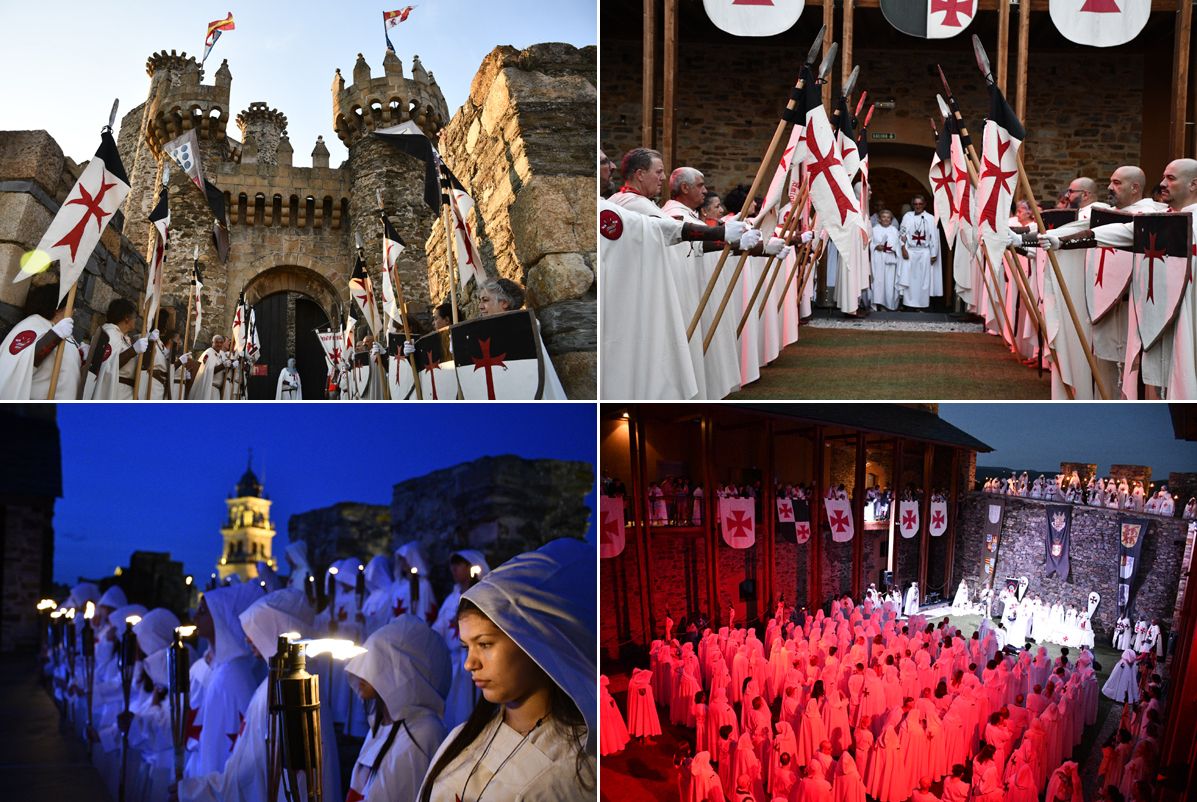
(1152,253)
(954,9)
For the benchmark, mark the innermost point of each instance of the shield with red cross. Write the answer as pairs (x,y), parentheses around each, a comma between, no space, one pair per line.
(612,536)
(839,518)
(939,518)
(908,518)
(498,357)
(1107,270)
(929,19)
(754,17)
(737,520)
(1099,23)
(434,360)
(1163,249)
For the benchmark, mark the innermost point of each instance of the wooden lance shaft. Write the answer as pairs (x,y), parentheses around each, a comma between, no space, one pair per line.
(70,310)
(808,267)
(799,261)
(1076,322)
(402,304)
(450,236)
(770,155)
(186,336)
(760,310)
(990,276)
(774,266)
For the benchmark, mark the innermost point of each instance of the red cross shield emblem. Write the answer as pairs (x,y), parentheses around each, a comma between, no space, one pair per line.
(1099,23)
(612,536)
(737,519)
(939,518)
(754,17)
(929,19)
(908,518)
(1163,248)
(498,357)
(1107,270)
(839,518)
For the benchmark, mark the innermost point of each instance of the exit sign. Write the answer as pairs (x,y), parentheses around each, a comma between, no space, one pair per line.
(881,135)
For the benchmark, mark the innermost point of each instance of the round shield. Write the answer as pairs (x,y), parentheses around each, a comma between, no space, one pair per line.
(754,17)
(1099,23)
(929,19)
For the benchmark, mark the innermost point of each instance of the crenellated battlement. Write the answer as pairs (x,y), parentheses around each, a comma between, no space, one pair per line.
(263,135)
(371,103)
(180,101)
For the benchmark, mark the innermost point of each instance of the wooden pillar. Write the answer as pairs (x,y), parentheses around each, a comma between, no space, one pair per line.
(828,38)
(846,51)
(893,507)
(953,504)
(710,534)
(1024,32)
(669,87)
(1180,78)
(648,77)
(925,517)
(814,570)
(858,514)
(640,517)
(1003,44)
(769,513)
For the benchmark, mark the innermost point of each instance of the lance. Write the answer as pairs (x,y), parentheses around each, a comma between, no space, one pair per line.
(974,170)
(770,155)
(402,305)
(145,310)
(127,656)
(70,304)
(787,233)
(808,266)
(178,667)
(385,382)
(187,330)
(89,666)
(781,127)
(1025,183)
(450,232)
(70,654)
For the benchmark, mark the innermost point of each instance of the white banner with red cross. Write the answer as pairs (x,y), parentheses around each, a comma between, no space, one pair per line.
(737,520)
(612,536)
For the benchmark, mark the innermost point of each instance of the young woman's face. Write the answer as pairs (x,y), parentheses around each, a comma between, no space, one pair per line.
(500,669)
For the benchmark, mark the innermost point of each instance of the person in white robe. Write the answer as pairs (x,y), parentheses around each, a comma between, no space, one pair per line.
(234,672)
(467,568)
(377,607)
(884,255)
(210,375)
(111,358)
(504,295)
(402,677)
(296,555)
(344,619)
(290,386)
(243,777)
(27,352)
(534,735)
(413,589)
(149,732)
(912,600)
(919,267)
(1123,683)
(1122,634)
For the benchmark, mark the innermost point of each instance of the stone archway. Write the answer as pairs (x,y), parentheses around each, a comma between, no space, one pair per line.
(291,302)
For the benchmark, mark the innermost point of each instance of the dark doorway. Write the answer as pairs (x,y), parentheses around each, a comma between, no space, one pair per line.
(286,328)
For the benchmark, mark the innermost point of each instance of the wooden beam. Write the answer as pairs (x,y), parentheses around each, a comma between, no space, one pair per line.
(711,536)
(640,517)
(669,88)
(858,514)
(846,46)
(1003,44)
(648,77)
(925,516)
(1180,78)
(828,38)
(953,488)
(815,552)
(992,5)
(769,513)
(1024,32)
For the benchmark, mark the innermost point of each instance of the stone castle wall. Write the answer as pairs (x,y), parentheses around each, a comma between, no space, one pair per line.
(342,530)
(523,147)
(1093,556)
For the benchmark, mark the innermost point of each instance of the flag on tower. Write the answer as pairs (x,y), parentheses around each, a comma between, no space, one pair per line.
(215,28)
(390,19)
(468,263)
(408,138)
(392,246)
(88,209)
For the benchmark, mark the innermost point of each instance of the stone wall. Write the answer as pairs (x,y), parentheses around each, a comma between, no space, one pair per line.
(35,178)
(1093,556)
(523,147)
(1184,487)
(729,96)
(346,529)
(1132,473)
(1084,470)
(501,506)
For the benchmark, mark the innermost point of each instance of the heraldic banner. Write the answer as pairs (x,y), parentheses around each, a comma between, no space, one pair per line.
(1058,543)
(1131,532)
(993,535)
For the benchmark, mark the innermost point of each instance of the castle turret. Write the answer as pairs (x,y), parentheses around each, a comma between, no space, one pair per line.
(371,104)
(248,531)
(261,130)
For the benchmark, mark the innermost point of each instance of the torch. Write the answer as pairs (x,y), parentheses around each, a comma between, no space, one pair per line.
(89,665)
(55,634)
(126,658)
(178,666)
(413,583)
(310,590)
(475,574)
(71,645)
(298,698)
(360,588)
(331,588)
(45,608)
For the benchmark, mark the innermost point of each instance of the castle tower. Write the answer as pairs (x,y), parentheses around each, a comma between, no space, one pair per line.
(262,128)
(373,103)
(177,101)
(248,531)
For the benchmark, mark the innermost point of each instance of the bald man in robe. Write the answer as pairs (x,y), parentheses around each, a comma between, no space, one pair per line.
(1170,366)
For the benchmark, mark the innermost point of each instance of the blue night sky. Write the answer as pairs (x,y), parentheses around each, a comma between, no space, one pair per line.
(164,489)
(1041,436)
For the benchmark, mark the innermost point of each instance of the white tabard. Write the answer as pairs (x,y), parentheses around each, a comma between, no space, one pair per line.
(918,278)
(885,250)
(107,379)
(21,380)
(289,387)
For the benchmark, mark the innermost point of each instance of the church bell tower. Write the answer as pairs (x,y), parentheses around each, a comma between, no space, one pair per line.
(248,530)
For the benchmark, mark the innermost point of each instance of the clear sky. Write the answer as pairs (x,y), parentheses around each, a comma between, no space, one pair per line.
(164,488)
(1041,436)
(64,62)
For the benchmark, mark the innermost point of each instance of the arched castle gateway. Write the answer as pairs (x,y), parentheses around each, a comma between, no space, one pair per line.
(291,229)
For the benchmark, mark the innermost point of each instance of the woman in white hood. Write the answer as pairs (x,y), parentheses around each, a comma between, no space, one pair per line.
(529,631)
(243,778)
(462,694)
(377,608)
(149,733)
(403,678)
(297,558)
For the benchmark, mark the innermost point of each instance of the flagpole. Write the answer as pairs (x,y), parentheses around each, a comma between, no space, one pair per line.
(187,329)
(787,233)
(450,232)
(402,305)
(766,162)
(149,278)
(812,257)
(803,253)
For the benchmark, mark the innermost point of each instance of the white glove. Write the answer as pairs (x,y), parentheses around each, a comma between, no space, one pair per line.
(733,230)
(807,236)
(63,328)
(1014,240)
(376,350)
(83,349)
(786,253)
(140,344)
(409,348)
(774,246)
(184,358)
(750,239)
(153,336)
(186,375)
(1049,242)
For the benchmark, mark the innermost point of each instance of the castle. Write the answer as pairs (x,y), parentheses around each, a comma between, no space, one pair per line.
(522,145)
(248,532)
